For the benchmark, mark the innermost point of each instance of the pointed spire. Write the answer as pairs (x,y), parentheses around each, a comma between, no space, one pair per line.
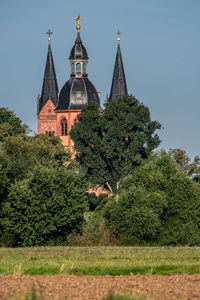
(118,88)
(50,86)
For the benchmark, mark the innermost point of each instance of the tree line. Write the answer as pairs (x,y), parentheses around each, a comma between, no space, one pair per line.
(150,197)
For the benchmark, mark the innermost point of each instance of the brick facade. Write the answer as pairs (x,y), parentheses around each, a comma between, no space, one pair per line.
(49,122)
(47,119)
(70,116)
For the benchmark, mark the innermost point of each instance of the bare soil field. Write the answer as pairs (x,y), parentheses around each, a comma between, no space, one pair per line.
(95,287)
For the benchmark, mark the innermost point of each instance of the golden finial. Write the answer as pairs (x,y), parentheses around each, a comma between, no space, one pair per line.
(78,23)
(118,33)
(49,34)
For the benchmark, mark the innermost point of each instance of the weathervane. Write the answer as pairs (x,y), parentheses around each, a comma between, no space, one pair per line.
(118,33)
(49,32)
(78,23)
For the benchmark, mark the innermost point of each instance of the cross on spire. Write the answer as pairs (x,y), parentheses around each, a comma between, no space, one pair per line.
(49,32)
(118,33)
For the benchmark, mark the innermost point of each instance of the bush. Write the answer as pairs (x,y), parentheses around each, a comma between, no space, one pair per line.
(159,203)
(95,232)
(96,202)
(135,216)
(44,209)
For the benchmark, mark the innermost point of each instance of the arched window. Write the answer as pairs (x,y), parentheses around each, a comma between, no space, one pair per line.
(63,127)
(78,68)
(49,133)
(73,68)
(84,68)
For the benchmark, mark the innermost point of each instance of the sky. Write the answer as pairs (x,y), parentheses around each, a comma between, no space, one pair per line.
(160,46)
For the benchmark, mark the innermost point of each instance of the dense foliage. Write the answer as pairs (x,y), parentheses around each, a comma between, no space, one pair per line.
(20,154)
(45,208)
(42,200)
(9,123)
(158,204)
(184,162)
(155,197)
(112,143)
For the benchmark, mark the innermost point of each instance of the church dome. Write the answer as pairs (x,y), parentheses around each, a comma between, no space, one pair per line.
(76,93)
(78,50)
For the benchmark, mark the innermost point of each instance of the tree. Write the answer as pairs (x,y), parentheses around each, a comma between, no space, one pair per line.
(159,203)
(4,179)
(20,154)
(184,162)
(10,124)
(110,144)
(44,209)
(134,216)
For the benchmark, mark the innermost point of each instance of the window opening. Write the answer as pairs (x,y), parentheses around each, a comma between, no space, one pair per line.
(64,127)
(78,68)
(84,68)
(73,68)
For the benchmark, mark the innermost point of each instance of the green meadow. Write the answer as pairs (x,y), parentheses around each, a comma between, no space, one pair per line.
(100,260)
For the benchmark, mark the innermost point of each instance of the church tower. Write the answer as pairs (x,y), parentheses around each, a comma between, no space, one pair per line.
(49,97)
(118,87)
(77,92)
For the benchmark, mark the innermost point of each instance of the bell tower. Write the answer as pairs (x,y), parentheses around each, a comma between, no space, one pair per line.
(78,56)
(77,92)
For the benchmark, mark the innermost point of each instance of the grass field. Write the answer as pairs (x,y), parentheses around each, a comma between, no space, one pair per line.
(100,260)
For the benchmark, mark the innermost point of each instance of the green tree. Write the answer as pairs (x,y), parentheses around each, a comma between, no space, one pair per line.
(110,144)
(4,179)
(20,154)
(10,124)
(184,162)
(159,203)
(44,209)
(134,216)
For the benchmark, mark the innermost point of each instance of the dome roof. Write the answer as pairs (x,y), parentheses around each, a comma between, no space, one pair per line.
(76,93)
(78,50)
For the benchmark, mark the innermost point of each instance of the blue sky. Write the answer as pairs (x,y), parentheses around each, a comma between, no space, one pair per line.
(160,47)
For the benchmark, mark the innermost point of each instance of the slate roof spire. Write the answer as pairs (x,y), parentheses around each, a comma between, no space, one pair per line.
(118,87)
(50,86)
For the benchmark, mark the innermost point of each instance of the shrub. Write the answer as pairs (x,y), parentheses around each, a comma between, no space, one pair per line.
(95,232)
(159,203)
(96,202)
(44,209)
(135,216)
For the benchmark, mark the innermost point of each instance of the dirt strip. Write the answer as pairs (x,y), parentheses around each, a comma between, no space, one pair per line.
(95,287)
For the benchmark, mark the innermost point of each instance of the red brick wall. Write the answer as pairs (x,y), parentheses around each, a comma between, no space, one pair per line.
(70,116)
(47,118)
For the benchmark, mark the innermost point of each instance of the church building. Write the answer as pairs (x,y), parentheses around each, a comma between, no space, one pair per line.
(57,111)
